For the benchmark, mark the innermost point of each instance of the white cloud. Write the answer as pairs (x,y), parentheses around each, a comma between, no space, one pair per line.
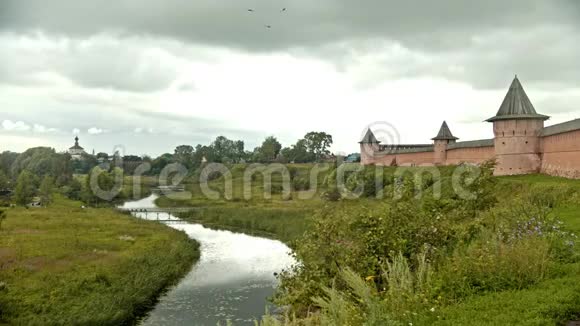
(96,131)
(9,125)
(42,129)
(76,131)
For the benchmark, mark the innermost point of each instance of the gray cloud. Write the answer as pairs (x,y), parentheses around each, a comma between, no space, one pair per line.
(434,24)
(97,62)
(478,42)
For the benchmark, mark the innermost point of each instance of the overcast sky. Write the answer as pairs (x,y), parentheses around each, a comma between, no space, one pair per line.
(151,75)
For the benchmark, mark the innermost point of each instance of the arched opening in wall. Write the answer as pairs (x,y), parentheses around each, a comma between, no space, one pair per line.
(513,132)
(525,132)
(503,133)
(526,141)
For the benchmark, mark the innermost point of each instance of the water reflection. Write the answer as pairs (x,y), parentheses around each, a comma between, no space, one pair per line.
(232,279)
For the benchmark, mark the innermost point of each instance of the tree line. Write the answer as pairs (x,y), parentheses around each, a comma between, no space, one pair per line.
(37,171)
(313,147)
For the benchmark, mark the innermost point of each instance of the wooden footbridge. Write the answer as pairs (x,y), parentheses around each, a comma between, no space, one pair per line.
(166,215)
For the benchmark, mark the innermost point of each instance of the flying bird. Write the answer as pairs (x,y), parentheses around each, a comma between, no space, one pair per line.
(251,10)
(283,9)
(268,26)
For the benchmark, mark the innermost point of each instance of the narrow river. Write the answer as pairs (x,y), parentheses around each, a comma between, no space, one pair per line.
(231,281)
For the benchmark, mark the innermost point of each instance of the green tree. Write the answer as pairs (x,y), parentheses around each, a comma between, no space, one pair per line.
(228,151)
(3,216)
(184,155)
(160,163)
(318,143)
(6,161)
(85,164)
(269,150)
(105,188)
(73,190)
(46,190)
(202,152)
(102,156)
(42,161)
(298,153)
(25,188)
(4,181)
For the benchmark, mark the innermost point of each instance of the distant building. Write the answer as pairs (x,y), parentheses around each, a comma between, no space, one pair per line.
(521,143)
(76,152)
(352,158)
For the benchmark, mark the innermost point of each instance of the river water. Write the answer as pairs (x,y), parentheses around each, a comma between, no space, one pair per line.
(231,281)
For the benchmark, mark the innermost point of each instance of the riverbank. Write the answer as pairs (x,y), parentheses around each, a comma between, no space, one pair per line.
(232,280)
(277,220)
(68,265)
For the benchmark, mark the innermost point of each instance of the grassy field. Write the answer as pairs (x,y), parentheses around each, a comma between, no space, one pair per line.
(569,212)
(66,265)
(547,303)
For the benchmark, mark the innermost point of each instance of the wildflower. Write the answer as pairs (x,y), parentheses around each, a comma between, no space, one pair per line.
(433,309)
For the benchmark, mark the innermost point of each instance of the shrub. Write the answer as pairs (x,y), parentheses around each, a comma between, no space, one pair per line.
(332,194)
(300,183)
(406,290)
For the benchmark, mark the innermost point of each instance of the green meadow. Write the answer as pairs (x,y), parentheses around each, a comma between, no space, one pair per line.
(66,265)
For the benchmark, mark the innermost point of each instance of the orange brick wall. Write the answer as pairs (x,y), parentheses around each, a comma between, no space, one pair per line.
(470,155)
(561,154)
(405,159)
(474,155)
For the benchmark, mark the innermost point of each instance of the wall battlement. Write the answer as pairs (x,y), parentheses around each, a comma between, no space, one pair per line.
(521,143)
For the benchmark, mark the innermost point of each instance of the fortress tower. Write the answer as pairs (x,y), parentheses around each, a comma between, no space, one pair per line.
(369,145)
(440,142)
(517,128)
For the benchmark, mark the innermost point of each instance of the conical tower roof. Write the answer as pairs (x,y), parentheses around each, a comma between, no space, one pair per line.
(517,105)
(369,138)
(444,133)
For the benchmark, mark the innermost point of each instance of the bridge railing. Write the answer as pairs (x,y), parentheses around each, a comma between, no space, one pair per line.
(159,214)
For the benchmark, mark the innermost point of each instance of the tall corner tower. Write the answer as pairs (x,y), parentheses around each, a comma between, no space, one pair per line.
(369,145)
(516,129)
(441,141)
